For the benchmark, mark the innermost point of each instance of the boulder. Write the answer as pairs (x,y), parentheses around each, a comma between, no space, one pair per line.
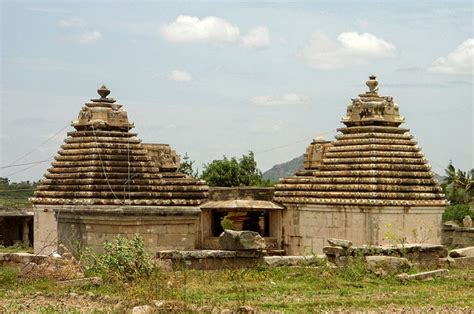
(383,265)
(340,242)
(142,309)
(241,240)
(464,252)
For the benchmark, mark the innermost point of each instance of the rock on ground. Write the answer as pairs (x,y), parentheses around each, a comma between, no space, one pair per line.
(383,265)
(340,242)
(142,309)
(464,252)
(422,275)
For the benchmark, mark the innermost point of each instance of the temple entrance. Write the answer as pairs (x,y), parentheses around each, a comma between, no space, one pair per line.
(258,221)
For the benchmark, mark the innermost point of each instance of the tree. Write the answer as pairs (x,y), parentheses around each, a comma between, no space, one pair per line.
(187,168)
(233,172)
(458,185)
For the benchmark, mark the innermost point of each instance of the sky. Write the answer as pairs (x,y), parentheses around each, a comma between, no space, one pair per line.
(223,78)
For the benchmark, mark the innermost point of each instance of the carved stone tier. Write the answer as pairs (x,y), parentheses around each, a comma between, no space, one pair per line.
(372,162)
(101,163)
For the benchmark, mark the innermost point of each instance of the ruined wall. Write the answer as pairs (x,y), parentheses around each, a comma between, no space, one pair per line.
(457,237)
(306,228)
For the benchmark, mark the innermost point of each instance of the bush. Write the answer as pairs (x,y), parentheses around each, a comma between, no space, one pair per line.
(8,276)
(457,212)
(122,259)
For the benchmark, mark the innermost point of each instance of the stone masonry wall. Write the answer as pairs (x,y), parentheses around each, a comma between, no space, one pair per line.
(158,232)
(457,237)
(306,229)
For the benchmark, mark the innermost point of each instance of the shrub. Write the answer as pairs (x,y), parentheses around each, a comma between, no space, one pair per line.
(457,212)
(226,223)
(122,259)
(8,276)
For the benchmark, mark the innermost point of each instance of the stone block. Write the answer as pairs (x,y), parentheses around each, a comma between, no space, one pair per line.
(464,252)
(462,262)
(177,228)
(241,240)
(422,275)
(336,251)
(340,242)
(384,265)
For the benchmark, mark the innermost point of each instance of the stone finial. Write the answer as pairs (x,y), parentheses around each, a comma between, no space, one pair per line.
(372,83)
(103,91)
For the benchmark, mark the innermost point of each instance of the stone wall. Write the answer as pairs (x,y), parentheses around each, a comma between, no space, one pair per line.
(45,230)
(306,228)
(457,237)
(161,229)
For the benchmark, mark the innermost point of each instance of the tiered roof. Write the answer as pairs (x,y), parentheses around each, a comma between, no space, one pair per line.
(102,163)
(373,162)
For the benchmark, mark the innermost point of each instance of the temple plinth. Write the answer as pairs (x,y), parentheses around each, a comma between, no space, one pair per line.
(371,183)
(105,182)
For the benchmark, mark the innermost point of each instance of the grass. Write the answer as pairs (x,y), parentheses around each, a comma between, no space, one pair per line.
(16,249)
(286,289)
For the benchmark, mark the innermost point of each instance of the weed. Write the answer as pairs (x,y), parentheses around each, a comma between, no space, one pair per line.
(122,259)
(8,276)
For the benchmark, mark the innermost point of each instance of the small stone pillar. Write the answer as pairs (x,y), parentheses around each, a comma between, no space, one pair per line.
(467,222)
(26,233)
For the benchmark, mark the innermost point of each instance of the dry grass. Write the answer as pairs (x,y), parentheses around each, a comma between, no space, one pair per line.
(285,289)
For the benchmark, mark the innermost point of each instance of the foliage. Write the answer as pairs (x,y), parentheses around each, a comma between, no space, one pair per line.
(187,167)
(457,212)
(458,185)
(233,172)
(16,248)
(15,194)
(122,259)
(8,276)
(226,223)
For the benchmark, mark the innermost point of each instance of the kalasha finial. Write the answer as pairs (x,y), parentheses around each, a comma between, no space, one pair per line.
(103,91)
(372,84)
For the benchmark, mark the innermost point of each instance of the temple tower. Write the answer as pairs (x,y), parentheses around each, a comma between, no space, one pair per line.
(105,182)
(372,185)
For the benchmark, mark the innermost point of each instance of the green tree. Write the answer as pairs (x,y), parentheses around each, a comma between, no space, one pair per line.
(233,172)
(458,185)
(187,167)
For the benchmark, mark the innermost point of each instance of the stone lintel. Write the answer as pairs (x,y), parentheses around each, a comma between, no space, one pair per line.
(121,210)
(204,254)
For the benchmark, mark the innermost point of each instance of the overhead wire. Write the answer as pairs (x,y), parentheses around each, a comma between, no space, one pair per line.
(37,147)
(103,167)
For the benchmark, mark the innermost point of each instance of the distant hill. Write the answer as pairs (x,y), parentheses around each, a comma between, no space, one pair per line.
(284,169)
(289,168)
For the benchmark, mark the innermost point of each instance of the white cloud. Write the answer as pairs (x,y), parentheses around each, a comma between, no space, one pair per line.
(180,76)
(350,48)
(459,61)
(89,37)
(256,38)
(277,100)
(72,22)
(193,29)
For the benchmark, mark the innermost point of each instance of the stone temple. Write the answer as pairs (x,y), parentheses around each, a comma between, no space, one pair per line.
(105,182)
(372,185)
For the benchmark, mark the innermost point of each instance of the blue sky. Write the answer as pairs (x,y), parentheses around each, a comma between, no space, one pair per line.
(222,78)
